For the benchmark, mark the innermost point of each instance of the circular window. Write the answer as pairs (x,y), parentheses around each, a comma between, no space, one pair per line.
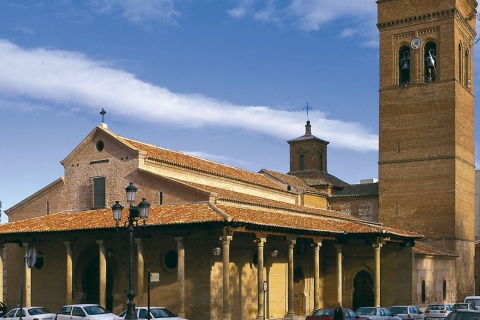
(100,145)
(170,260)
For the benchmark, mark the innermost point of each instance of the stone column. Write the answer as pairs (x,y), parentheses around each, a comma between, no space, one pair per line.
(102,281)
(28,279)
(140,272)
(181,276)
(377,247)
(260,293)
(227,302)
(69,274)
(291,288)
(318,283)
(339,273)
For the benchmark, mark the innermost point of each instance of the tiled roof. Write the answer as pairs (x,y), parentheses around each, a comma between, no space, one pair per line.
(308,222)
(318,178)
(357,190)
(103,218)
(198,213)
(193,163)
(424,249)
(289,180)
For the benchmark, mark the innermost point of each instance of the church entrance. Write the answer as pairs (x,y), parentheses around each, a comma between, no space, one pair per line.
(298,288)
(91,283)
(362,290)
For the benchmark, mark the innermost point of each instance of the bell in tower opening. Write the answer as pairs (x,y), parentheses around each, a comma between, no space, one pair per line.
(404,66)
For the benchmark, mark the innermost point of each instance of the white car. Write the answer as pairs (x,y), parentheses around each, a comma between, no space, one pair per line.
(376,313)
(155,313)
(30,313)
(437,311)
(84,312)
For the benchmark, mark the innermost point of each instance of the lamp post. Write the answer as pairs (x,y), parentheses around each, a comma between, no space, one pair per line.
(135,213)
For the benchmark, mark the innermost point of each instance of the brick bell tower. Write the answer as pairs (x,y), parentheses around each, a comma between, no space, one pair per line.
(426,150)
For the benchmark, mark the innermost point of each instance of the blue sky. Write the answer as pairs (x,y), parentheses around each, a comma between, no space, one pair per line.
(226,80)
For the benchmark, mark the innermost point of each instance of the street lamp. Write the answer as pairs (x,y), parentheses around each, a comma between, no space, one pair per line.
(135,213)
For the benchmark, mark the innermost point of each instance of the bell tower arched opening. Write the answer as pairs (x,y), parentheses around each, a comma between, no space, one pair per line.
(404,63)
(430,55)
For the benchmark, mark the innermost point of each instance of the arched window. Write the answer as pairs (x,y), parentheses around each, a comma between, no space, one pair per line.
(466,63)
(444,289)
(460,63)
(404,65)
(424,294)
(430,59)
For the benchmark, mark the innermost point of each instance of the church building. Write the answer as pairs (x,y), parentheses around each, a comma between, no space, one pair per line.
(227,243)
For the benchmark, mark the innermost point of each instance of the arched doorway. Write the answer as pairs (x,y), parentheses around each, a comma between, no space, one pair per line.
(363,295)
(91,283)
(298,288)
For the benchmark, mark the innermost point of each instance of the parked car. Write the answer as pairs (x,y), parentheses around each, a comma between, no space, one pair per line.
(407,312)
(463,315)
(463,306)
(84,312)
(327,314)
(376,313)
(436,311)
(30,313)
(155,313)
(3,309)
(475,300)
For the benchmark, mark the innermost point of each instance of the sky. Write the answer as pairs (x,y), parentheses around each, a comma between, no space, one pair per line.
(225,80)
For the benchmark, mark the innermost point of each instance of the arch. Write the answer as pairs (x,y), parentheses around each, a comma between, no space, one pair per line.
(299,301)
(91,283)
(404,65)
(363,294)
(431,61)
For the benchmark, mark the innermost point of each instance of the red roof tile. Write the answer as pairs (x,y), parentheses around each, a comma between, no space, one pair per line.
(196,214)
(187,161)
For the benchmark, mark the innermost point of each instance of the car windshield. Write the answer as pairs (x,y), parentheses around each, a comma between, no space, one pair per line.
(461,306)
(35,311)
(475,302)
(161,313)
(366,311)
(398,310)
(436,307)
(92,310)
(323,312)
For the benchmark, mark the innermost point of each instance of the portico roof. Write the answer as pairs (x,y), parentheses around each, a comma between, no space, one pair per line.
(296,222)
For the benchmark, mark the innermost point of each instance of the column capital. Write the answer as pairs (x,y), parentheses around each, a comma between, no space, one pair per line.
(101,242)
(178,239)
(317,245)
(260,241)
(377,246)
(226,239)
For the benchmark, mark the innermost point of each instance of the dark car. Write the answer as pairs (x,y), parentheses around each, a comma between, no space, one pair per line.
(464,315)
(327,314)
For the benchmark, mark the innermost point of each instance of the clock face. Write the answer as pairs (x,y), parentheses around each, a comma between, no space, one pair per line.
(416,43)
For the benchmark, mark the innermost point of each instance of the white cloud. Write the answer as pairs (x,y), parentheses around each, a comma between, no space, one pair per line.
(311,15)
(72,80)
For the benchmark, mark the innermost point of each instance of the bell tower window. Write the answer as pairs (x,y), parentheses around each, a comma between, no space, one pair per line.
(467,69)
(430,55)
(404,62)
(302,162)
